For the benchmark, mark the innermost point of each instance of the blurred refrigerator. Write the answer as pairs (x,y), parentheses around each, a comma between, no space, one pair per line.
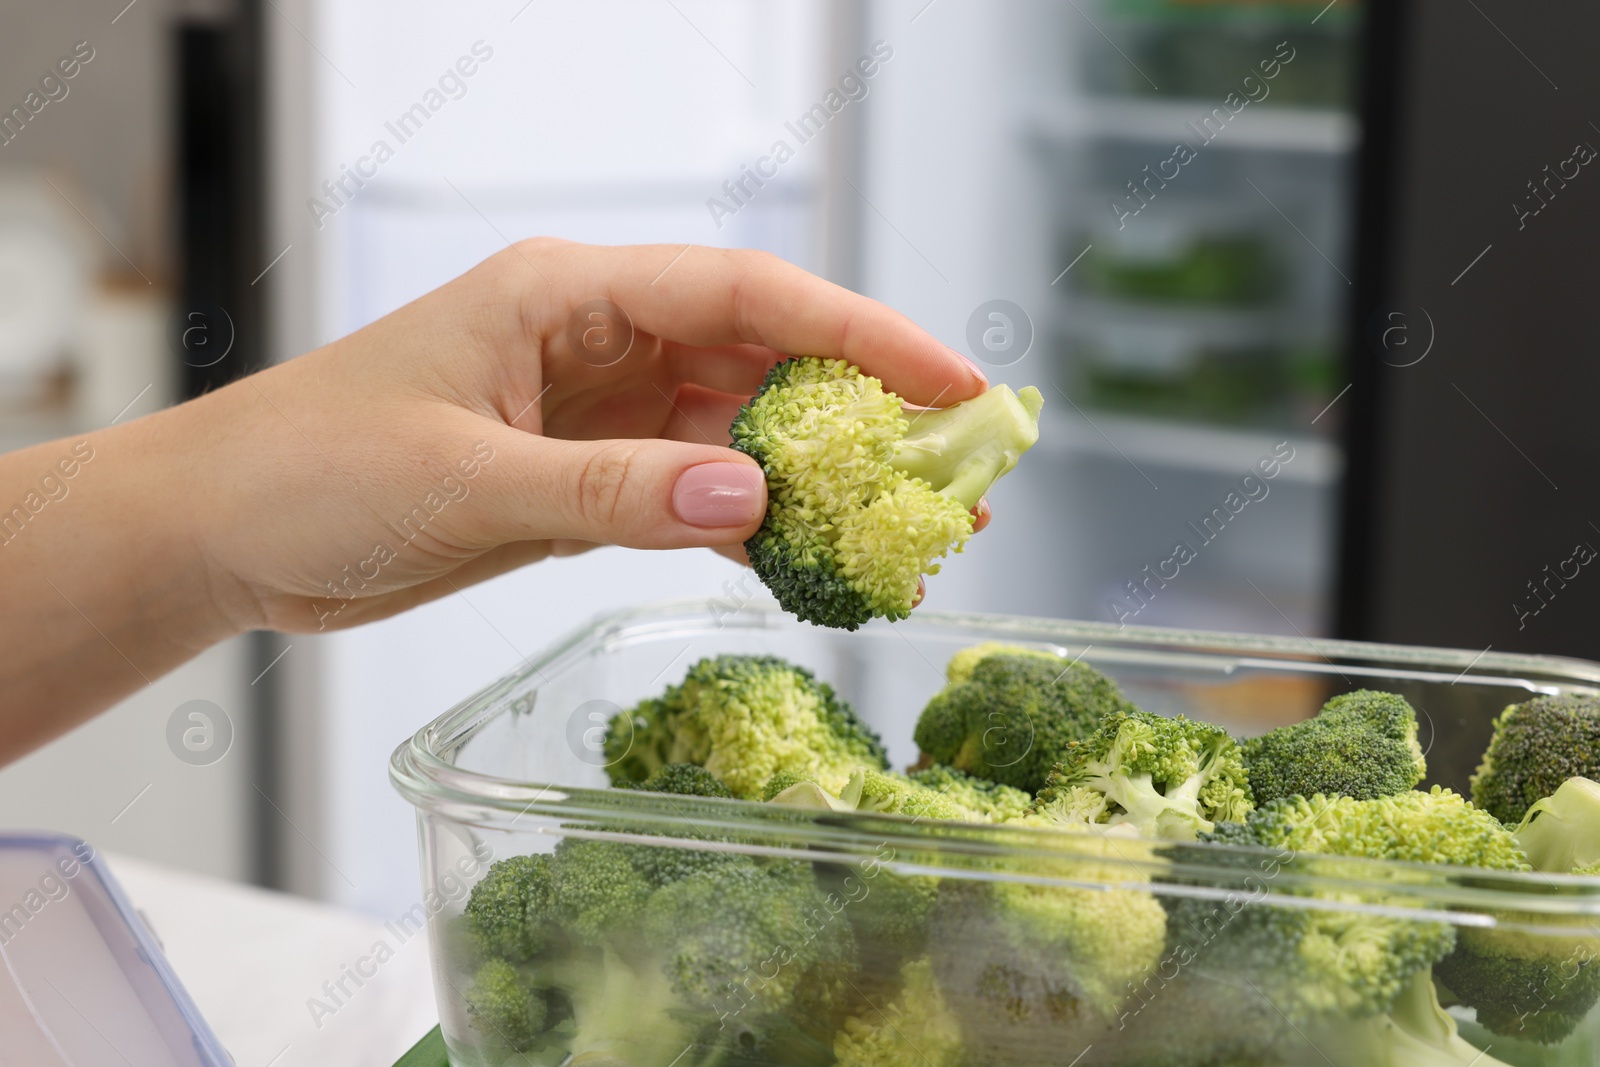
(1145,208)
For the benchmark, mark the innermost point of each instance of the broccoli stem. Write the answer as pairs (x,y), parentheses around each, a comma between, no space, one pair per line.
(626,1013)
(1417,1032)
(1175,814)
(962,450)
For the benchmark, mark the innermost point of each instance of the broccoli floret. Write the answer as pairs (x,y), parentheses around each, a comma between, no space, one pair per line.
(888,911)
(961,665)
(682,779)
(1438,826)
(991,801)
(1015,716)
(1536,986)
(1561,833)
(744,719)
(756,938)
(1169,777)
(867,790)
(581,910)
(1416,1032)
(509,911)
(597,888)
(1340,963)
(504,1004)
(1361,745)
(915,1029)
(1197,1018)
(1034,971)
(1535,747)
(863,497)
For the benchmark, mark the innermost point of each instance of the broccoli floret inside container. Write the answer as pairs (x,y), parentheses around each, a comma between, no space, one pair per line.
(1361,745)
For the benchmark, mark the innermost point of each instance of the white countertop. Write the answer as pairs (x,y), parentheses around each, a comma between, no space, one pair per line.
(255,963)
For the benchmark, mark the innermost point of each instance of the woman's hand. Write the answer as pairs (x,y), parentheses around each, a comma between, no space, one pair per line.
(556,397)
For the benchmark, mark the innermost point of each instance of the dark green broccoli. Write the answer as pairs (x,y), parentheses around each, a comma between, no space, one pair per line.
(682,779)
(989,801)
(509,910)
(1536,746)
(744,719)
(505,1005)
(757,938)
(863,497)
(1361,745)
(1015,716)
(1338,962)
(1536,986)
(648,972)
(1182,1015)
(1167,777)
(583,906)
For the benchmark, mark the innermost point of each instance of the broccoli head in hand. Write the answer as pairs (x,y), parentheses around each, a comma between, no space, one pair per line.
(864,497)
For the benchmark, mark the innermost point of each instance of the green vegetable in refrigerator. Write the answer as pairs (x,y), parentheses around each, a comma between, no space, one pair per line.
(1216,270)
(864,497)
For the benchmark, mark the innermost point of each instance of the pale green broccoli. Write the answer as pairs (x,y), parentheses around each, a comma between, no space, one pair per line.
(1015,716)
(1168,777)
(744,719)
(1535,747)
(1361,745)
(862,496)
(963,662)
(915,1029)
(1561,833)
(1438,826)
(986,800)
(1415,1032)
(867,790)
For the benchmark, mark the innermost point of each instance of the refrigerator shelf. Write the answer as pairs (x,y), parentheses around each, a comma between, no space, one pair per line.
(1166,122)
(1184,447)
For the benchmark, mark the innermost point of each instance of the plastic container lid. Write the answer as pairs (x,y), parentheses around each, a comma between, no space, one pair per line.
(82,979)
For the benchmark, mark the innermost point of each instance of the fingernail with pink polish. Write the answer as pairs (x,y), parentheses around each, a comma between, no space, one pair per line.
(977,371)
(719,494)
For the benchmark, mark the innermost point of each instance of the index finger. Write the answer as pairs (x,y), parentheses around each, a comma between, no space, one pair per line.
(714,296)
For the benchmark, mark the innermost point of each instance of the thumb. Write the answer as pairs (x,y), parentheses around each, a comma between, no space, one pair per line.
(638,493)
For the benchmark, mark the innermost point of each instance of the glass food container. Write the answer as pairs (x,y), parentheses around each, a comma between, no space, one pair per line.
(948,944)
